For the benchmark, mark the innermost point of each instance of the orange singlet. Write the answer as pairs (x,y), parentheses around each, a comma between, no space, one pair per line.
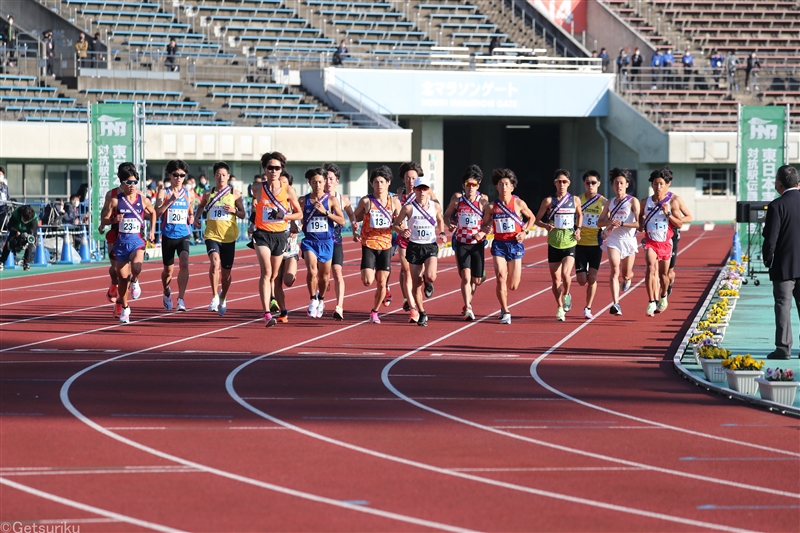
(376,233)
(266,210)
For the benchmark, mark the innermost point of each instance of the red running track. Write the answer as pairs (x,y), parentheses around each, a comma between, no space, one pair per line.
(188,421)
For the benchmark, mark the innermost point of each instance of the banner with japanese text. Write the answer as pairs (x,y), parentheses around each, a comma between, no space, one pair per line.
(113,141)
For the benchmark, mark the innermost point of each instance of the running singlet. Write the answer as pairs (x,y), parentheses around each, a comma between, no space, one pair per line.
(623,213)
(316,226)
(469,215)
(376,232)
(175,220)
(337,229)
(132,225)
(113,229)
(562,235)
(658,228)
(269,215)
(221,225)
(591,214)
(423,223)
(506,226)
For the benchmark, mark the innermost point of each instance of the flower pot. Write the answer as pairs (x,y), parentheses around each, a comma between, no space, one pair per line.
(782,392)
(743,381)
(696,352)
(713,370)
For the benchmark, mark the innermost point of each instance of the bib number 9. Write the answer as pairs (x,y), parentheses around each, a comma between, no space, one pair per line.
(468,220)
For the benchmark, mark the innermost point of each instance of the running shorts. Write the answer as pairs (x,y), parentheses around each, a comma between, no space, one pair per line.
(663,249)
(470,256)
(417,254)
(509,250)
(376,259)
(226,251)
(556,255)
(587,257)
(323,249)
(275,241)
(171,247)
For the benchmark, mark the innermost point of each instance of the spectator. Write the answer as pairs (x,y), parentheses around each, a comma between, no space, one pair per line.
(11,40)
(605,61)
(340,54)
(669,73)
(731,64)
(657,64)
(688,68)
(72,212)
(150,185)
(202,185)
(83,191)
(781,252)
(494,43)
(623,61)
(636,64)
(172,53)
(53,213)
(3,198)
(753,66)
(257,180)
(717,61)
(81,49)
(21,236)
(49,52)
(96,47)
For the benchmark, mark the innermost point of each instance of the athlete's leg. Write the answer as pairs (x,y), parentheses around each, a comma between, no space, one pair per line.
(501,273)
(555,277)
(277,286)
(613,279)
(311,272)
(466,286)
(663,274)
(368,276)
(591,288)
(215,266)
(324,277)
(225,281)
(289,275)
(566,273)
(417,287)
(137,259)
(652,275)
(626,267)
(382,276)
(514,274)
(264,256)
(406,285)
(123,277)
(183,274)
(166,278)
(338,281)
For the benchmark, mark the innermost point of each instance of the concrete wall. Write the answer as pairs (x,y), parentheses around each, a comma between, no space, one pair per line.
(614,33)
(36,18)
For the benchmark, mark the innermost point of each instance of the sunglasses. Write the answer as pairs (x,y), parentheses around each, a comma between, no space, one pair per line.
(591,182)
(274,168)
(131,182)
(178,175)
(563,181)
(472,184)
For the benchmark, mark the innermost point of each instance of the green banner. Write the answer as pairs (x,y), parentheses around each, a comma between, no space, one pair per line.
(112,142)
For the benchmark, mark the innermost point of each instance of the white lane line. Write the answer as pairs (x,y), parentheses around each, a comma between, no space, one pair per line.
(552,469)
(7,472)
(482,355)
(190,428)
(87,508)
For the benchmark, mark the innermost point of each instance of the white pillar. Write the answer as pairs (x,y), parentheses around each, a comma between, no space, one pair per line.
(427,148)
(358,182)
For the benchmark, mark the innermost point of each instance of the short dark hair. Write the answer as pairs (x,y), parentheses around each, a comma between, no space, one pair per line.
(221,165)
(591,174)
(616,172)
(664,173)
(381,172)
(314,171)
(561,172)
(2,170)
(787,176)
(472,172)
(176,164)
(411,165)
(503,173)
(289,177)
(332,167)
(126,170)
(78,196)
(26,213)
(266,158)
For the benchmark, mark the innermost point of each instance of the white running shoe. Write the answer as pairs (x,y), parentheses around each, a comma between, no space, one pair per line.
(320,308)
(167,301)
(469,316)
(222,307)
(338,313)
(651,309)
(561,315)
(506,318)
(567,303)
(662,305)
(181,305)
(136,290)
(587,313)
(125,316)
(214,305)
(626,285)
(312,308)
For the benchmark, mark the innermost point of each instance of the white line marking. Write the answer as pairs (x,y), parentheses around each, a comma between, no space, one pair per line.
(552,469)
(486,355)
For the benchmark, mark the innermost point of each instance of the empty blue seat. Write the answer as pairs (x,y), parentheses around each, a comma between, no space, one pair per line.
(308,125)
(152,103)
(242,85)
(27,88)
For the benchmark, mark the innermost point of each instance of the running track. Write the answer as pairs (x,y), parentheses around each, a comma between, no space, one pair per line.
(191,422)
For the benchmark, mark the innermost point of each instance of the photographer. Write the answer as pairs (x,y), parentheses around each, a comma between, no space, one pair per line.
(21,236)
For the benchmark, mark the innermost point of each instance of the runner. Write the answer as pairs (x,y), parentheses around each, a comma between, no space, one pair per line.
(658,218)
(320,212)
(221,205)
(588,253)
(469,242)
(111,236)
(561,216)
(275,203)
(174,206)
(619,221)
(676,236)
(424,218)
(505,217)
(376,211)
(332,175)
(128,210)
(287,274)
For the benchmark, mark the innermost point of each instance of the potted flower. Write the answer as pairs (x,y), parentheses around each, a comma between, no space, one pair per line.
(741,372)
(711,357)
(778,385)
(728,293)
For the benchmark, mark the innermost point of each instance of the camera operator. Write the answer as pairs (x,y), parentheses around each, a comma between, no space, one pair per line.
(21,236)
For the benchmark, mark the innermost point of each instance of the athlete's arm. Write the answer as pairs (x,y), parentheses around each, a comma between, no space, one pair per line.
(687,216)
(148,208)
(398,223)
(451,208)
(542,212)
(603,220)
(161,205)
(238,203)
(486,225)
(201,206)
(578,221)
(396,206)
(297,211)
(361,210)
(675,216)
(440,223)
(101,228)
(107,213)
(643,203)
(348,209)
(635,207)
(524,211)
(335,211)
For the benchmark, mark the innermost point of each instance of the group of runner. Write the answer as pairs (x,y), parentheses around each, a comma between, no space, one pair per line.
(579,229)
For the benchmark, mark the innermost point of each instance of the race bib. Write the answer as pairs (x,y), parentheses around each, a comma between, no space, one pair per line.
(177,216)
(317,225)
(504,225)
(564,221)
(218,213)
(423,234)
(377,220)
(468,220)
(271,214)
(590,220)
(130,225)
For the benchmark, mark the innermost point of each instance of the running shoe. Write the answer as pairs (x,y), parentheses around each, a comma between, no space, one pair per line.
(125,316)
(506,318)
(413,316)
(626,285)
(338,313)
(166,300)
(222,308)
(374,318)
(500,314)
(283,318)
(423,319)
(26,266)
(615,309)
(567,303)
(469,316)
(269,321)
(181,305)
(112,294)
(669,290)
(406,306)
(428,290)
(320,308)
(662,305)
(273,306)
(561,314)
(136,290)
(388,299)
(651,309)
(464,310)
(587,313)
(312,308)
(117,310)
(214,304)
(2,267)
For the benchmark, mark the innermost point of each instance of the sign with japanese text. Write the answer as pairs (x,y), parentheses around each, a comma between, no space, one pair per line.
(113,140)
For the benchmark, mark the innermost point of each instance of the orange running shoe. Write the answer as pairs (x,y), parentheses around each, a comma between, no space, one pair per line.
(388,299)
(413,316)
(283,319)
(112,294)
(117,310)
